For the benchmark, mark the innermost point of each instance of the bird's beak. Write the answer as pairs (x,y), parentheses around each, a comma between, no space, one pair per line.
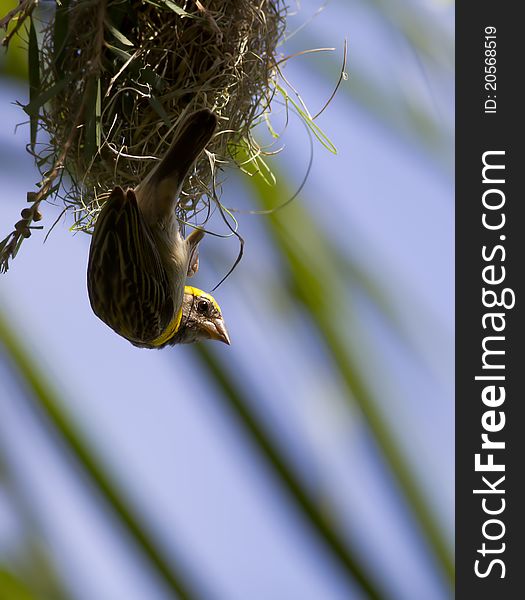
(217,331)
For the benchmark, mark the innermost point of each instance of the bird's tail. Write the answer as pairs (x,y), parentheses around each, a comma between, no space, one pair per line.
(160,190)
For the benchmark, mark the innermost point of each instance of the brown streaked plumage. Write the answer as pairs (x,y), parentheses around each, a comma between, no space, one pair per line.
(138,259)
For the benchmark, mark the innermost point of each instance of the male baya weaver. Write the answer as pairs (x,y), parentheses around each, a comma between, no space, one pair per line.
(139,261)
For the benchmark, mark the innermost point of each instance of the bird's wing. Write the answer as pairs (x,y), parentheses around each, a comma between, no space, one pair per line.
(127,282)
(192,242)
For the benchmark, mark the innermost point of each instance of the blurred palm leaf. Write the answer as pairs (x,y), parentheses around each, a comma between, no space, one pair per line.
(315,272)
(12,588)
(46,401)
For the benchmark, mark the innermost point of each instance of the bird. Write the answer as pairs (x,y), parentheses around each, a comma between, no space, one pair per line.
(139,260)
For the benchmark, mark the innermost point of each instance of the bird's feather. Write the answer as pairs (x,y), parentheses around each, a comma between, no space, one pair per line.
(128,285)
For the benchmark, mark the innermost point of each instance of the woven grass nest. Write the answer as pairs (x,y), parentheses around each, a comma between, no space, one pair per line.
(110,81)
(137,69)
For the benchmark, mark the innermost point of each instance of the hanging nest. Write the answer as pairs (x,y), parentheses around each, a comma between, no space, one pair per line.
(110,81)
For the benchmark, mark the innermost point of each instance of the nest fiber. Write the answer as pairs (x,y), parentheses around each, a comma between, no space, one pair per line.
(117,76)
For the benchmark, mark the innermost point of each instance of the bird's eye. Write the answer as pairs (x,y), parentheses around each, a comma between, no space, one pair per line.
(203,306)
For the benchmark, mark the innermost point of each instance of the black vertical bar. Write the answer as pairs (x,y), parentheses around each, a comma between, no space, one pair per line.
(490,255)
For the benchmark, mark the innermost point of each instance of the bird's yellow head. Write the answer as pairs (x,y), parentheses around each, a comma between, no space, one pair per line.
(201,319)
